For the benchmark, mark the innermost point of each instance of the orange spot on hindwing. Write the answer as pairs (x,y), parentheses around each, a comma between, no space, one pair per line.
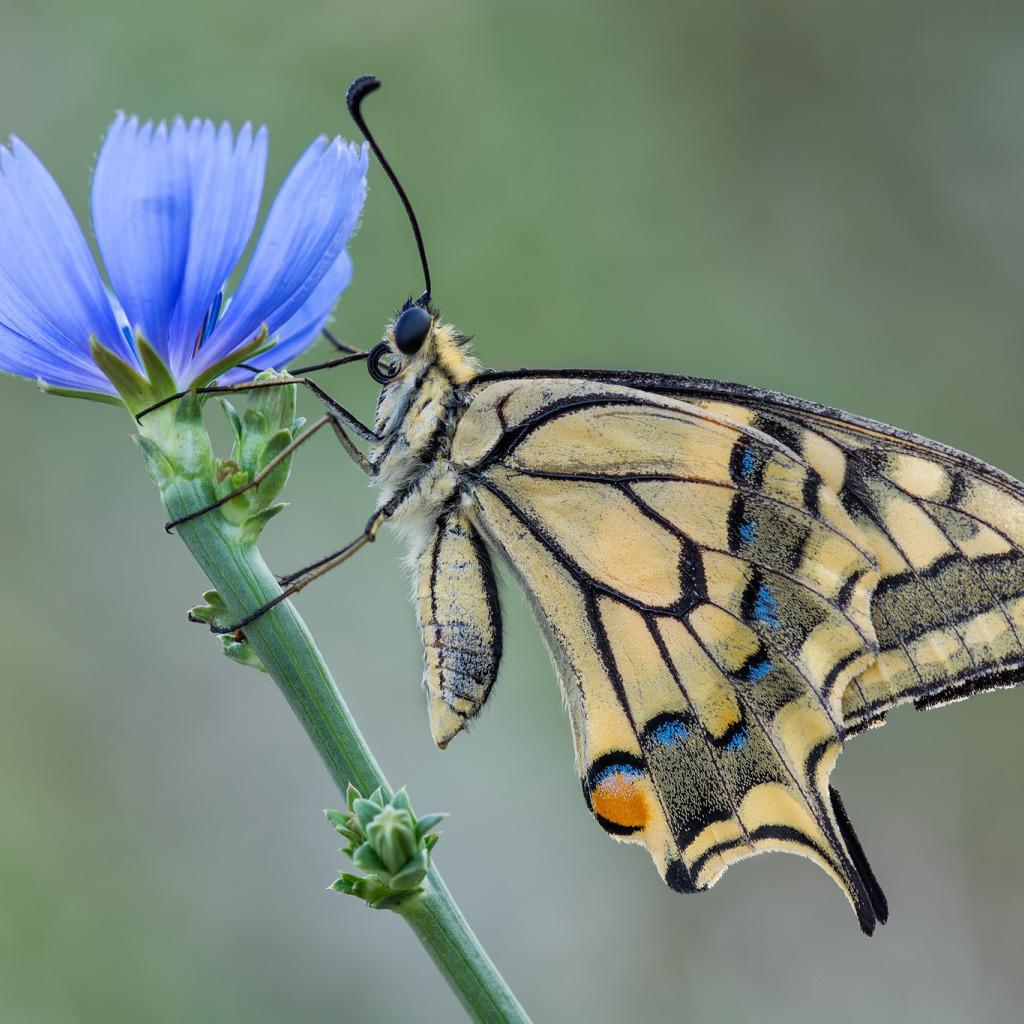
(616,789)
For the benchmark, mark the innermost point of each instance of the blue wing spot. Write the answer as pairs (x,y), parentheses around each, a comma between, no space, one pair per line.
(669,732)
(738,742)
(743,461)
(757,670)
(609,773)
(748,530)
(765,606)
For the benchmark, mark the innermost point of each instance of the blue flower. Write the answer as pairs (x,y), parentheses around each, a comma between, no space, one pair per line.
(173,209)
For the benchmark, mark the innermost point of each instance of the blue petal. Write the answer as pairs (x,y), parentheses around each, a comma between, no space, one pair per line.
(302,329)
(141,205)
(308,226)
(51,295)
(226,186)
(28,358)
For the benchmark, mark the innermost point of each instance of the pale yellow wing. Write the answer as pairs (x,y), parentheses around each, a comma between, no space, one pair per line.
(706,599)
(947,531)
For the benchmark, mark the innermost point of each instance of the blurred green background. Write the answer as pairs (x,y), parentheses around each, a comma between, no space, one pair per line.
(826,199)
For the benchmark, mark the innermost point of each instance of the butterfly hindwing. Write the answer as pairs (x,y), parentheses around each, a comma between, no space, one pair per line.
(705,597)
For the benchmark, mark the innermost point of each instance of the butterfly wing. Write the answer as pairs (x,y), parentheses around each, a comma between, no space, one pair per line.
(947,531)
(706,600)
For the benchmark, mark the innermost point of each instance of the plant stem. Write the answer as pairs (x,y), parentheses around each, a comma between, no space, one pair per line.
(286,648)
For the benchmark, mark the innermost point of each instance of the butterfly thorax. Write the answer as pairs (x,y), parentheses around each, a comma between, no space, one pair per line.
(418,411)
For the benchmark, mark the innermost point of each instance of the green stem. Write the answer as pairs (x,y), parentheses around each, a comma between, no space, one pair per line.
(286,648)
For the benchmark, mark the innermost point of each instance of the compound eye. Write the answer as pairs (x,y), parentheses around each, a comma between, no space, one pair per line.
(411,329)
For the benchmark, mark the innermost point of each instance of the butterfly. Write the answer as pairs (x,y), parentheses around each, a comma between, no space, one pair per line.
(730,582)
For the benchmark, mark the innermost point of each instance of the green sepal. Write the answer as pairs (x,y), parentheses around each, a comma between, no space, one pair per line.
(427,822)
(137,391)
(412,873)
(339,820)
(134,389)
(392,834)
(366,810)
(178,432)
(261,343)
(365,858)
(255,430)
(160,381)
(89,396)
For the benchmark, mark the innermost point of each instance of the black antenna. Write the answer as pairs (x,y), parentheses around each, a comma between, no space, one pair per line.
(357,92)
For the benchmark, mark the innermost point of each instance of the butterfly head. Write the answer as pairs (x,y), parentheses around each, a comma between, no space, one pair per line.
(415,341)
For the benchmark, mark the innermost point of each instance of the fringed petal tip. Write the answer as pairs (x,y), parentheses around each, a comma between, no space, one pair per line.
(174,207)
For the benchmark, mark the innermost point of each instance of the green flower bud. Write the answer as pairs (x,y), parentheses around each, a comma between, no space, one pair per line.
(388,841)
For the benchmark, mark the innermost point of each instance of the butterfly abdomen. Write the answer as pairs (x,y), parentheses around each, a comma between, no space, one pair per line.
(460,622)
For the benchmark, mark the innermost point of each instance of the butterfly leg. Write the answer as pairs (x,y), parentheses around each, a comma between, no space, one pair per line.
(257,478)
(340,413)
(339,431)
(294,582)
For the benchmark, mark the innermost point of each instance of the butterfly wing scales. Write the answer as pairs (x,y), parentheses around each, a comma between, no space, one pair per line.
(703,657)
(948,533)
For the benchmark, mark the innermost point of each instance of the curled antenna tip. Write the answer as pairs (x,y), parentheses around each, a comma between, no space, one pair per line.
(359,90)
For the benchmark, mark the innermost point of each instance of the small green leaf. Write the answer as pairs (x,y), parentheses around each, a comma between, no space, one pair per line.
(157,465)
(242,652)
(365,811)
(337,818)
(233,418)
(365,858)
(251,527)
(414,871)
(426,823)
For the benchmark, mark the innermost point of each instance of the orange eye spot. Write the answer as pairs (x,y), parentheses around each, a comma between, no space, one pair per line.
(618,797)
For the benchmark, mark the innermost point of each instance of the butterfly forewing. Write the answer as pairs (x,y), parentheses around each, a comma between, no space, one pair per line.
(948,534)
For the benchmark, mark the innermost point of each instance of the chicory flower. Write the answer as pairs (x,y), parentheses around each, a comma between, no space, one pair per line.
(173,210)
